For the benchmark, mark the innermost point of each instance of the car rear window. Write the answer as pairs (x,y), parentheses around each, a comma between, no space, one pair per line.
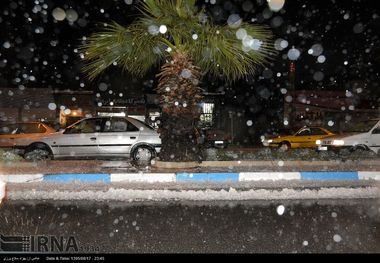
(145,124)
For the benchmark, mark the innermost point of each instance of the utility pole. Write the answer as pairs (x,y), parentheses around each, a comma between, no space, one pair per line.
(292,75)
(292,80)
(293,55)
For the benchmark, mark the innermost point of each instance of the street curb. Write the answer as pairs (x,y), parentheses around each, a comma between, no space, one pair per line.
(250,163)
(191,177)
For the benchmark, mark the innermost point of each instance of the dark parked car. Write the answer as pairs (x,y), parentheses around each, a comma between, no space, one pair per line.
(213,138)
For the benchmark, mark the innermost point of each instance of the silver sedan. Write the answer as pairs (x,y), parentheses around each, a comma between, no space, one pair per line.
(99,137)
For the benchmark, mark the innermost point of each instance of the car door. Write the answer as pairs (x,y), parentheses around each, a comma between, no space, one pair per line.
(118,137)
(316,134)
(80,139)
(302,138)
(374,140)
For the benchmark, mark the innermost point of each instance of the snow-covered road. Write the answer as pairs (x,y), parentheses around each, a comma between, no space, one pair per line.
(162,192)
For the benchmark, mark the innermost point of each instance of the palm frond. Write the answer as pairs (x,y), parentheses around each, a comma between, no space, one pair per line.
(218,51)
(169,8)
(104,48)
(133,48)
(152,8)
(147,50)
(186,8)
(215,49)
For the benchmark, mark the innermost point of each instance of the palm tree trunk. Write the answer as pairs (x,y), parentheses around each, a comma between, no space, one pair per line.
(178,140)
(179,95)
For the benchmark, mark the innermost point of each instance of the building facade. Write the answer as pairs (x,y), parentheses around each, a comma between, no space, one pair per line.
(330,109)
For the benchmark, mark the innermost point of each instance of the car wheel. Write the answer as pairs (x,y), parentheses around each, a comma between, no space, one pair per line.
(359,149)
(37,154)
(143,154)
(284,146)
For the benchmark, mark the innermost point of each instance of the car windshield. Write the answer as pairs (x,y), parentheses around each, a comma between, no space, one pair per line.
(144,124)
(304,132)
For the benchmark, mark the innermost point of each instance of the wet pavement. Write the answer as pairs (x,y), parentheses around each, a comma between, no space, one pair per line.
(220,227)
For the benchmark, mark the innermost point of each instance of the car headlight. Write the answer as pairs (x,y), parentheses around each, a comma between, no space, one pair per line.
(338,142)
(270,141)
(318,142)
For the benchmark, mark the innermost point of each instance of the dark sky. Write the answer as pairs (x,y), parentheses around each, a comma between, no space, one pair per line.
(38,51)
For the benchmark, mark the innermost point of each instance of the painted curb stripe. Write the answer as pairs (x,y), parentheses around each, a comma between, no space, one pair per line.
(191,177)
(106,178)
(2,190)
(22,178)
(271,176)
(369,176)
(203,177)
(329,176)
(147,178)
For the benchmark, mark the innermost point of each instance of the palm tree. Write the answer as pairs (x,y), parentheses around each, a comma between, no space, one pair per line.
(177,36)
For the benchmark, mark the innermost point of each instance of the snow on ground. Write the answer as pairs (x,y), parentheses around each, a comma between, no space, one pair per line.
(132,195)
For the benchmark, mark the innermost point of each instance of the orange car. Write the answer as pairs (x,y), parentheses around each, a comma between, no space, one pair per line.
(11,133)
(303,138)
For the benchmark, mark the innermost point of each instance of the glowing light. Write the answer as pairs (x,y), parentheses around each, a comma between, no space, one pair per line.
(163,29)
(280,210)
(59,14)
(276,5)
(293,54)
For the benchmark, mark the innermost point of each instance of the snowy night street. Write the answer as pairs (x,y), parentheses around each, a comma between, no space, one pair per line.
(253,217)
(219,227)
